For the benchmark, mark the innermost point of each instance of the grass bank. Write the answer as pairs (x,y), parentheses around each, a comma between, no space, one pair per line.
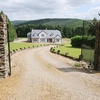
(73,52)
(14,45)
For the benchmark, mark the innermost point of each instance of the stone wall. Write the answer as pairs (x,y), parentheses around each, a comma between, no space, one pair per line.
(97,48)
(4,63)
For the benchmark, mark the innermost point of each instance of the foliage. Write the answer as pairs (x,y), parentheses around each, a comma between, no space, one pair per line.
(12,31)
(55,21)
(73,27)
(1,13)
(73,52)
(17,22)
(67,32)
(77,65)
(89,41)
(77,41)
(11,28)
(14,46)
(66,26)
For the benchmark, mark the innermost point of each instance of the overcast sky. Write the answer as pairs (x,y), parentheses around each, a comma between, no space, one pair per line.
(39,9)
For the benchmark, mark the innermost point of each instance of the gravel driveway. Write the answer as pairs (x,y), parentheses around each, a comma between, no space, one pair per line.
(38,74)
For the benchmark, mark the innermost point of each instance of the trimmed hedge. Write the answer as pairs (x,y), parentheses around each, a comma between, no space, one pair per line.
(77,41)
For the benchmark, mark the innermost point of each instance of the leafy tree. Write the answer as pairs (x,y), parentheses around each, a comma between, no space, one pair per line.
(79,31)
(11,28)
(12,31)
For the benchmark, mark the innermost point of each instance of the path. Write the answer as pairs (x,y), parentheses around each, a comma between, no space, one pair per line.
(38,74)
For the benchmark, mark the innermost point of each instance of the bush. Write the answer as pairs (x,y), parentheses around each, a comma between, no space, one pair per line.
(58,51)
(89,40)
(77,41)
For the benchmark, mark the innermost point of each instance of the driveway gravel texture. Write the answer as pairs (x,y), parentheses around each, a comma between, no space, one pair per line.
(38,74)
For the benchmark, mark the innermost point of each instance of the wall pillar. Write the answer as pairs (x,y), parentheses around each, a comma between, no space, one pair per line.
(97,48)
(4,63)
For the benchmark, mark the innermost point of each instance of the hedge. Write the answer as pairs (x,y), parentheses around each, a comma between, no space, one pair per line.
(77,41)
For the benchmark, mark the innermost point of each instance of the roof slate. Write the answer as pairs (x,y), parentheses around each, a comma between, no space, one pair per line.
(50,33)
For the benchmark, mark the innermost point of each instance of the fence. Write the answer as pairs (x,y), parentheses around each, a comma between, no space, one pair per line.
(87,52)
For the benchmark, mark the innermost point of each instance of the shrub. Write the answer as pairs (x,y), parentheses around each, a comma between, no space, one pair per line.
(77,65)
(51,48)
(77,41)
(58,51)
(89,40)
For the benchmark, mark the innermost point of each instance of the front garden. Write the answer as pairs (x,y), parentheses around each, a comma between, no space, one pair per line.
(67,50)
(18,46)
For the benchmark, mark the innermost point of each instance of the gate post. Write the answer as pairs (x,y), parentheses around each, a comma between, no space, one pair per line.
(97,48)
(4,53)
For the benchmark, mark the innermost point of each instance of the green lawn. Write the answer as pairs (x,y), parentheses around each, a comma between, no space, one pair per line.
(14,46)
(73,52)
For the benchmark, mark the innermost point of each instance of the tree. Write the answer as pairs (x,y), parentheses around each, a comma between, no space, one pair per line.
(12,31)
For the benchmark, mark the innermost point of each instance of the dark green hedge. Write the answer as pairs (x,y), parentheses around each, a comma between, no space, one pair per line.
(77,41)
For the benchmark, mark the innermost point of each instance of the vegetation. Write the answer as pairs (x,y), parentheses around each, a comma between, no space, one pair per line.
(68,27)
(77,41)
(77,65)
(17,22)
(71,51)
(88,36)
(11,29)
(72,27)
(65,31)
(14,46)
(55,21)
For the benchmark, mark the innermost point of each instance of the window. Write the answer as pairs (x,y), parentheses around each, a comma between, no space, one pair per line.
(42,40)
(57,40)
(51,34)
(34,34)
(42,35)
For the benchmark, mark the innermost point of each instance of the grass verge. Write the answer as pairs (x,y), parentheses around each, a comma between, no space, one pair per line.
(14,45)
(73,52)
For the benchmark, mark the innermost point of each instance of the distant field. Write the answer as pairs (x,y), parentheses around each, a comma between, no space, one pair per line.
(73,52)
(19,45)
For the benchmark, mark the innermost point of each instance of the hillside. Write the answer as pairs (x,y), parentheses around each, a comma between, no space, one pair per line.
(17,22)
(55,21)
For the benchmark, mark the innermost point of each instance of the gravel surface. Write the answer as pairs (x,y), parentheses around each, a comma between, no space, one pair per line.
(38,74)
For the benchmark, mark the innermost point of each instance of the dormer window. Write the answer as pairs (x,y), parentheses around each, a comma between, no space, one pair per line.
(42,35)
(51,34)
(34,34)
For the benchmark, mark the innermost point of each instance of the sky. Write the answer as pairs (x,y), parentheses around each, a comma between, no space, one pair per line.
(40,9)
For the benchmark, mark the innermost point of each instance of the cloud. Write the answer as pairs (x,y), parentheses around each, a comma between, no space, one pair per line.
(81,2)
(36,9)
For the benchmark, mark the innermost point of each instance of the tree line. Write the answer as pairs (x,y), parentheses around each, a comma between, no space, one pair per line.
(67,32)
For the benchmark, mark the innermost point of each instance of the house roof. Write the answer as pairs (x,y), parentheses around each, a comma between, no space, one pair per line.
(50,33)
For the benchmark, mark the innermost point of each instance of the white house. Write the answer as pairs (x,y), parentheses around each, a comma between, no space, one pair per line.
(53,36)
